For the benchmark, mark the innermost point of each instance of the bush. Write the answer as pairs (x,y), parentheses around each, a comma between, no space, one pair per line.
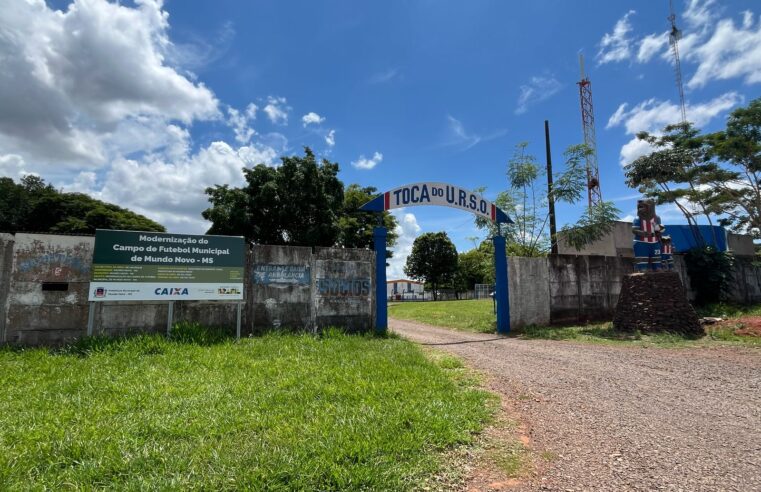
(711,274)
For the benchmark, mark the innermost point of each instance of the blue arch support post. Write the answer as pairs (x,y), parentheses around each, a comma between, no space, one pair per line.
(381,301)
(502,293)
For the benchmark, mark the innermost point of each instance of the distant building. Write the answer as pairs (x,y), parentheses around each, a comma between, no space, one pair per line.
(405,289)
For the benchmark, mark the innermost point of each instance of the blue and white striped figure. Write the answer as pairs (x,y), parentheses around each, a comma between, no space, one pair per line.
(667,253)
(647,231)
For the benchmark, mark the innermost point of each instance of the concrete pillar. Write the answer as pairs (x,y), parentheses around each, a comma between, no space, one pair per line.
(381,301)
(502,293)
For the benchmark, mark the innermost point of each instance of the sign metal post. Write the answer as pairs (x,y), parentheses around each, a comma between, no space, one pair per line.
(90,318)
(169,316)
(237,322)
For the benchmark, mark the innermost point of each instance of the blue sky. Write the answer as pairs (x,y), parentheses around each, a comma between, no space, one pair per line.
(147,103)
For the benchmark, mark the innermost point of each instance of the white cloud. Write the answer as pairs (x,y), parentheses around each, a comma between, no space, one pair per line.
(651,45)
(240,122)
(699,13)
(617,117)
(277,110)
(538,89)
(652,115)
(172,191)
(70,78)
(385,76)
(731,51)
(312,118)
(364,163)
(459,136)
(13,166)
(407,229)
(330,138)
(616,46)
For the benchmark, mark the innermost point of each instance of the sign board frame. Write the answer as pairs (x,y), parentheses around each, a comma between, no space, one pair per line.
(156,266)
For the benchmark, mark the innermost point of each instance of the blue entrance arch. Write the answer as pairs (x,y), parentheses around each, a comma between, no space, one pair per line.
(446,195)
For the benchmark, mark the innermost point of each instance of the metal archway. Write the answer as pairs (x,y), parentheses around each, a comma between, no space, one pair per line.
(445,195)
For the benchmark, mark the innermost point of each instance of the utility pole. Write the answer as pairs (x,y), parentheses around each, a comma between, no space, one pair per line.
(550,196)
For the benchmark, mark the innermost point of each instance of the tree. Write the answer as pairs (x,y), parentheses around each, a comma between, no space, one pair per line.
(475,266)
(675,172)
(433,260)
(526,202)
(296,203)
(299,203)
(356,226)
(35,206)
(734,192)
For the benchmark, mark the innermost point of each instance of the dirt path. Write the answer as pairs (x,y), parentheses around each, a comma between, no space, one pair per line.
(610,418)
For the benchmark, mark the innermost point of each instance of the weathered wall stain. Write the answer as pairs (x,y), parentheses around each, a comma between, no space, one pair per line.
(54,263)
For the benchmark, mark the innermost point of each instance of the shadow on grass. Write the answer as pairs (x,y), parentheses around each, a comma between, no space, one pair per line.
(603,331)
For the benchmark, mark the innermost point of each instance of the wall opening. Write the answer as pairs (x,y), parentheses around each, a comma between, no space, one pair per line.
(55,286)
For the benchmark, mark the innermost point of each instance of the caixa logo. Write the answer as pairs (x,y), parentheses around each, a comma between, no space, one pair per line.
(171,291)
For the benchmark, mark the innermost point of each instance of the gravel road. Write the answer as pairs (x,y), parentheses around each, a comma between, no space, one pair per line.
(622,418)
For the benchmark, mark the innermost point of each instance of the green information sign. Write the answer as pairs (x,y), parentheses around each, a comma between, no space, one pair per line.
(143,266)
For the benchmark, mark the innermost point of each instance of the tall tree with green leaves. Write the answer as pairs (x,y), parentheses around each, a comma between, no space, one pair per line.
(675,172)
(296,203)
(475,266)
(356,226)
(526,202)
(34,206)
(433,260)
(734,189)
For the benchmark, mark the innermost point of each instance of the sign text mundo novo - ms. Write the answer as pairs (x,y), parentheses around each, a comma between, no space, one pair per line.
(440,194)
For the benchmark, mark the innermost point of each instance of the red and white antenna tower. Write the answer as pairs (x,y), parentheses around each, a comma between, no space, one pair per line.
(674,36)
(588,124)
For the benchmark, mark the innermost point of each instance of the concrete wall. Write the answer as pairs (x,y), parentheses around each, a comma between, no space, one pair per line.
(585,288)
(741,244)
(6,263)
(285,287)
(616,243)
(344,288)
(282,293)
(35,315)
(528,279)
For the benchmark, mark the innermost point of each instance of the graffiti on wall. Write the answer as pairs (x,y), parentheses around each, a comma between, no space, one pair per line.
(54,262)
(267,274)
(343,287)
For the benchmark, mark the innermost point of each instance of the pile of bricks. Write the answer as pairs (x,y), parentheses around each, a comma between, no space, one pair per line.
(655,302)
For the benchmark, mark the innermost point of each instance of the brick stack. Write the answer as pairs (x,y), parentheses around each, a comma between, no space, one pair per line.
(655,302)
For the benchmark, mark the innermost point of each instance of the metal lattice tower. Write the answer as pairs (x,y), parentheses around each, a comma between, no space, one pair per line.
(674,36)
(588,124)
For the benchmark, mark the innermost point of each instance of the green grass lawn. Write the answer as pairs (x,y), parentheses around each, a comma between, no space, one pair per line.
(478,316)
(280,412)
